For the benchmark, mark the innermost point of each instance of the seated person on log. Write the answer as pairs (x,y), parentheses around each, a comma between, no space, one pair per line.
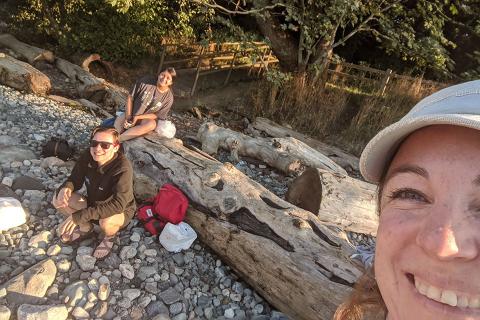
(147,107)
(427,253)
(108,176)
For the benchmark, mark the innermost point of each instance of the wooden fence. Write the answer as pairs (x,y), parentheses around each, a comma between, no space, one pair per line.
(257,57)
(211,58)
(375,81)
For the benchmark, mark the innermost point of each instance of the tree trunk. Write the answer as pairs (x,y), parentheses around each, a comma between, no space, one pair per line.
(297,263)
(284,46)
(288,155)
(26,51)
(22,76)
(345,160)
(324,193)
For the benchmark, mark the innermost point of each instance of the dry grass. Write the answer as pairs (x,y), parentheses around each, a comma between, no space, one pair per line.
(344,113)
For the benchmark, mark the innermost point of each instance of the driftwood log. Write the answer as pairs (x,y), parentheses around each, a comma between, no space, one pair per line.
(299,264)
(286,154)
(87,83)
(92,106)
(26,51)
(347,161)
(22,76)
(348,202)
(84,61)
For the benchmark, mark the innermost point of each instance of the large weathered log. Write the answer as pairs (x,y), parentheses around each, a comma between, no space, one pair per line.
(87,83)
(328,195)
(286,154)
(26,51)
(297,263)
(22,76)
(347,161)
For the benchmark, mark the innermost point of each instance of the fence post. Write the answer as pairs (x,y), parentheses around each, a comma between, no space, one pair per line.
(338,69)
(197,73)
(230,69)
(162,59)
(385,81)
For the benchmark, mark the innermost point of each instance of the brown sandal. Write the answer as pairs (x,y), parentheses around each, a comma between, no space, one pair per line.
(104,248)
(76,236)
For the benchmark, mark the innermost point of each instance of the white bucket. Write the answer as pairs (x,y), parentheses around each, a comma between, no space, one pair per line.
(11,213)
(177,237)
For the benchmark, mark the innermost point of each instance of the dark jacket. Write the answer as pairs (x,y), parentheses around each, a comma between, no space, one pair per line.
(109,187)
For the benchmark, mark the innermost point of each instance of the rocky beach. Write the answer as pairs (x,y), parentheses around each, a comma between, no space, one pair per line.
(42,278)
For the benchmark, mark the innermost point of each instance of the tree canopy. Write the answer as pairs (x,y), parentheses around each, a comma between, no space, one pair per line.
(304,33)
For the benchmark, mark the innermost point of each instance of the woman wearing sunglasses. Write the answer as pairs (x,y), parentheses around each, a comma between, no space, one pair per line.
(427,167)
(108,176)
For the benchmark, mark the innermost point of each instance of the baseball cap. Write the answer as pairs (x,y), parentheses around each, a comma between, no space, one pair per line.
(458,105)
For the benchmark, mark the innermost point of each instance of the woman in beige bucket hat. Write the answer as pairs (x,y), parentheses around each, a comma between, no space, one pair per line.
(427,259)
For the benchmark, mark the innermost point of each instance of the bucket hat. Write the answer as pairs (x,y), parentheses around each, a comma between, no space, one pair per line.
(458,105)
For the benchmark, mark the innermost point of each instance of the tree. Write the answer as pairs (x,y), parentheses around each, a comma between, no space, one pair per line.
(305,33)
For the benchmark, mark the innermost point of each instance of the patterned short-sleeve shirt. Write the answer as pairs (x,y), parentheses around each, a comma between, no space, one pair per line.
(148,99)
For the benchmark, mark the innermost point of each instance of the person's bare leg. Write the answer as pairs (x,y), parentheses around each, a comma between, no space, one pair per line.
(139,130)
(119,121)
(110,226)
(76,202)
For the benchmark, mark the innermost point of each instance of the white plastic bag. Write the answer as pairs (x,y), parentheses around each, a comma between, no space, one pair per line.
(165,129)
(11,213)
(177,237)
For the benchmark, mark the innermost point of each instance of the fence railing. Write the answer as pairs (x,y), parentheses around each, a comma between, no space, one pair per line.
(211,58)
(378,80)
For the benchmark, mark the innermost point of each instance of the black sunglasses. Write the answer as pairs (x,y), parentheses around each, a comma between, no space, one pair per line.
(103,144)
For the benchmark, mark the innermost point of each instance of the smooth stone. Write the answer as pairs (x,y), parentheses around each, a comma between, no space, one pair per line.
(77,294)
(181,316)
(170,296)
(54,250)
(229,313)
(85,262)
(135,237)
(127,271)
(64,265)
(145,272)
(4,313)
(6,191)
(50,162)
(157,308)
(7,181)
(27,183)
(80,313)
(131,294)
(104,291)
(32,312)
(31,285)
(128,252)
(175,308)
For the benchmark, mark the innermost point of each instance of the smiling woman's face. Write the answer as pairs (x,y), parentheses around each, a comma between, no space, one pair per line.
(427,261)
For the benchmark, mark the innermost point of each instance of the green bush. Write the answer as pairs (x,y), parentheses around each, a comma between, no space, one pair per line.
(119,30)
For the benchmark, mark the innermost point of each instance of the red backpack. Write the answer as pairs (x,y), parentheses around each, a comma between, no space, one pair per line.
(169,205)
